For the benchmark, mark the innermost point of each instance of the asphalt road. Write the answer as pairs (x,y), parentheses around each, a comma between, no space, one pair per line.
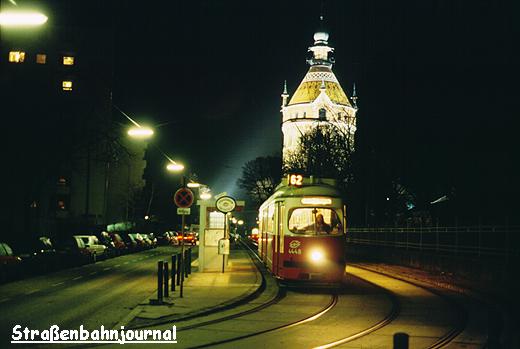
(91,295)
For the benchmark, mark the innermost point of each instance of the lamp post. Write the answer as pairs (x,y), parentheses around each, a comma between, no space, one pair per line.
(21,19)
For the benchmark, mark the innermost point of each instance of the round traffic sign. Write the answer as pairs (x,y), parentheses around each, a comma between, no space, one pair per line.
(226,204)
(183,198)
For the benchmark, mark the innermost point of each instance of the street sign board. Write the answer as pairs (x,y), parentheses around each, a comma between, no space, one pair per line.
(223,246)
(183,198)
(183,211)
(226,204)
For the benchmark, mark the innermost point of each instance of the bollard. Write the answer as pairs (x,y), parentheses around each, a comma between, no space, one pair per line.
(186,263)
(400,340)
(189,261)
(179,264)
(181,270)
(174,271)
(166,275)
(160,281)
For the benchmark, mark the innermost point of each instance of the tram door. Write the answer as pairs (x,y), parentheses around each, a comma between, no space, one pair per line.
(278,245)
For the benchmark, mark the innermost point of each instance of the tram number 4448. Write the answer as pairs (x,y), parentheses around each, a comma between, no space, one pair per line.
(295,251)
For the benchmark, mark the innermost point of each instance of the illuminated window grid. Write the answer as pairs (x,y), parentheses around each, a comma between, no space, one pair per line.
(16,56)
(66,85)
(41,58)
(68,60)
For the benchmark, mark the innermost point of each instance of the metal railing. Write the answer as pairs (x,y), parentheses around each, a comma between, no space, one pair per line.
(501,241)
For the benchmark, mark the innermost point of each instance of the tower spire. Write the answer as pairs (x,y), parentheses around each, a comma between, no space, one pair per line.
(285,95)
(354,95)
(321,51)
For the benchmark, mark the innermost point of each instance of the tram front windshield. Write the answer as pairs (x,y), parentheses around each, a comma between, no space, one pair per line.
(316,221)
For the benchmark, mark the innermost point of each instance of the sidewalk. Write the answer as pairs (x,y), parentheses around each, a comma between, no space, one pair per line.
(203,293)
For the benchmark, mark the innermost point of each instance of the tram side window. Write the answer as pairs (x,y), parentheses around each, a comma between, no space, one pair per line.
(270,219)
(319,221)
(264,221)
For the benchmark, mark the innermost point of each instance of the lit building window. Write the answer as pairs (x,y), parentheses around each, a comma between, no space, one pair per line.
(16,56)
(41,58)
(68,60)
(61,204)
(66,85)
(62,181)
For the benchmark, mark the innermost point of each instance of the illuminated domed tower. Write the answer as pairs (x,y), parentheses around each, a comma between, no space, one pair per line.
(319,99)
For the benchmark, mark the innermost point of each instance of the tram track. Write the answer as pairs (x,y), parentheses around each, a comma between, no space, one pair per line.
(462,316)
(442,341)
(333,302)
(281,294)
(392,315)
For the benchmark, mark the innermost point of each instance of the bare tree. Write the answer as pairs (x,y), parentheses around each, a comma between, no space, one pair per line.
(260,177)
(325,151)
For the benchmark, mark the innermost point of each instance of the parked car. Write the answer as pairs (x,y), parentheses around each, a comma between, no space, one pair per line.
(189,238)
(92,244)
(119,243)
(39,255)
(10,264)
(72,251)
(150,240)
(141,242)
(105,239)
(175,238)
(164,239)
(130,242)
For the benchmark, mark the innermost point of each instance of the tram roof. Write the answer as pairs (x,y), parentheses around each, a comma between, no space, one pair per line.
(310,187)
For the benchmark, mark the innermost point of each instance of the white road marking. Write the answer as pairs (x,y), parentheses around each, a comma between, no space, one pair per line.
(4,300)
(77,278)
(107,268)
(31,292)
(126,262)
(59,283)
(93,273)
(117,265)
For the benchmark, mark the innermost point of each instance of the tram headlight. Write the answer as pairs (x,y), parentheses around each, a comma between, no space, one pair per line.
(317,256)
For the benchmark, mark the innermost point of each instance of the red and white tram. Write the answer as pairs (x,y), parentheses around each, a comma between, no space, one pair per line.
(302,231)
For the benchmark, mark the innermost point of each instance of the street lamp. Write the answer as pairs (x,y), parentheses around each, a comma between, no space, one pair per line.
(204,191)
(174,166)
(21,19)
(205,195)
(140,132)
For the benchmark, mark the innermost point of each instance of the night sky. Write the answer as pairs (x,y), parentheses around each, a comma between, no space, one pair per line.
(437,80)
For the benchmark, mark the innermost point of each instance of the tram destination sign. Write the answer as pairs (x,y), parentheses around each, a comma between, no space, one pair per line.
(295,180)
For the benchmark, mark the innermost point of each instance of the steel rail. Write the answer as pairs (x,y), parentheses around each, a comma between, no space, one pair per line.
(462,315)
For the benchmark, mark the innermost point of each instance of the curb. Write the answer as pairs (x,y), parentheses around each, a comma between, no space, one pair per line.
(232,303)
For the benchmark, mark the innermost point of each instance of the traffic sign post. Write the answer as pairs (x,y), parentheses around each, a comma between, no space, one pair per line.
(183,198)
(225,204)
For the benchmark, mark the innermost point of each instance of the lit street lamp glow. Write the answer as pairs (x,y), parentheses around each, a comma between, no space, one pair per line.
(174,167)
(19,19)
(205,196)
(193,185)
(140,132)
